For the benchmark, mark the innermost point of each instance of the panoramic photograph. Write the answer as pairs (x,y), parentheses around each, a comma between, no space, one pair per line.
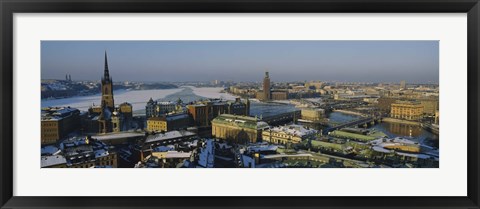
(239,104)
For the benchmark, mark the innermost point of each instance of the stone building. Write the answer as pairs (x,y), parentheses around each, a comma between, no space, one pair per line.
(288,134)
(238,129)
(57,123)
(407,110)
(168,122)
(312,114)
(202,113)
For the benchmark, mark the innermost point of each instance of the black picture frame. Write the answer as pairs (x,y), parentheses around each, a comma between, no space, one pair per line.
(10,7)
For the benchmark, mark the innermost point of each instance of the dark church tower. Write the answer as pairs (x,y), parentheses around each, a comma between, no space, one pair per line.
(107,87)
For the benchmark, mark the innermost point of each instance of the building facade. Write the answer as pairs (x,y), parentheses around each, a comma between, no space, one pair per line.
(279,95)
(407,110)
(57,123)
(238,129)
(430,105)
(156,109)
(81,153)
(312,114)
(202,113)
(288,134)
(168,123)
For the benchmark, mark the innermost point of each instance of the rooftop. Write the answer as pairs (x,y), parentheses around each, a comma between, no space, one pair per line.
(169,135)
(57,113)
(240,121)
(119,135)
(47,161)
(296,130)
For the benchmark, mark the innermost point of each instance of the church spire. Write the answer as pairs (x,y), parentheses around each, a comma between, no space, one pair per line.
(106,75)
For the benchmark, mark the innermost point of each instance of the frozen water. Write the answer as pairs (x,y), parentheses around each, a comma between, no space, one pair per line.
(138,98)
(212,92)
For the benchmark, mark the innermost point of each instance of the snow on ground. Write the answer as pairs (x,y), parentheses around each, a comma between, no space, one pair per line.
(138,98)
(212,92)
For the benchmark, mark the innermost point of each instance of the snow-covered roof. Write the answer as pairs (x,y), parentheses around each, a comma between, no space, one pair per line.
(263,147)
(101,153)
(169,135)
(286,155)
(163,148)
(47,161)
(248,162)
(176,117)
(120,135)
(381,149)
(293,129)
(50,150)
(175,154)
(383,142)
(207,155)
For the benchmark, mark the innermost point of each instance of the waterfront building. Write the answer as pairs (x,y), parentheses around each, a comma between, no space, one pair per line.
(407,110)
(156,109)
(167,122)
(266,87)
(312,114)
(260,95)
(150,108)
(57,123)
(238,129)
(288,134)
(430,105)
(279,95)
(203,112)
(265,94)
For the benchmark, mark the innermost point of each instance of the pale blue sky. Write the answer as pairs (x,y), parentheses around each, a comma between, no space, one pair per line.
(362,61)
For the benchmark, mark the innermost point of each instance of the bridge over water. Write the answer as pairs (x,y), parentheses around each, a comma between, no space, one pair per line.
(364,120)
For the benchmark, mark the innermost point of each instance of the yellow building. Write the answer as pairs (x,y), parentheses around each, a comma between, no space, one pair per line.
(238,129)
(57,123)
(167,123)
(407,110)
(312,114)
(156,124)
(126,109)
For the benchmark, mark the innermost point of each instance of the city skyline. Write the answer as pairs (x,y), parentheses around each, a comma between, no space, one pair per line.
(164,61)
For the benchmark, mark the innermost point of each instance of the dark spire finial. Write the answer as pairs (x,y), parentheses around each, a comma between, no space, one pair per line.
(106,75)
